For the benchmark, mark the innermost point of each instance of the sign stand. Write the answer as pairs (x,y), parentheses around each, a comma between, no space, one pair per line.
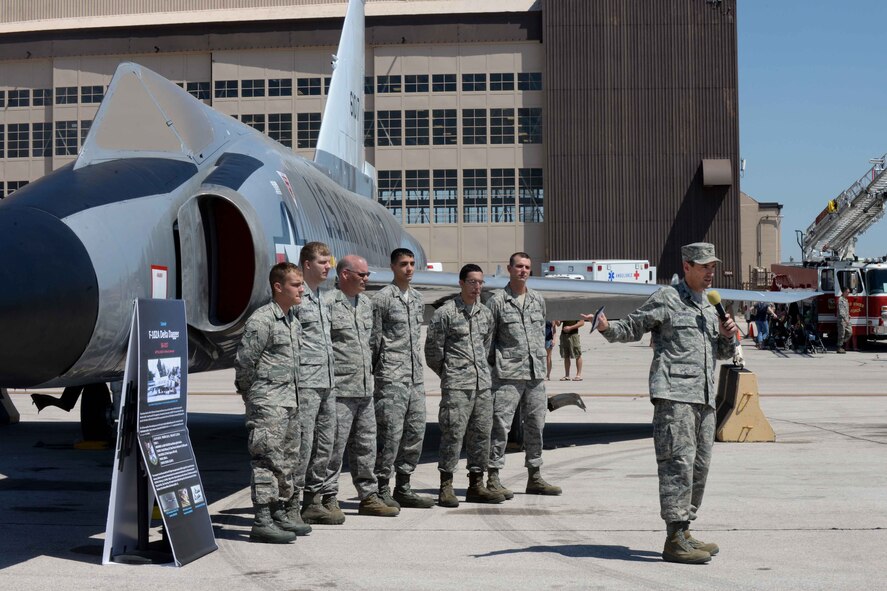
(8,413)
(154,459)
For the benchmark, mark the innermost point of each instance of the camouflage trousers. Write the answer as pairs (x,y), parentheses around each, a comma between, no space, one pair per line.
(845,331)
(273,444)
(317,413)
(683,436)
(356,435)
(468,415)
(507,395)
(400,423)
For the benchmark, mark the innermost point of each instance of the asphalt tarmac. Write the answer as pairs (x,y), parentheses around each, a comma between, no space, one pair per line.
(806,512)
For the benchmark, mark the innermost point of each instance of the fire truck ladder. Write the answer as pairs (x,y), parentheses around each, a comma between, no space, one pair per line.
(834,232)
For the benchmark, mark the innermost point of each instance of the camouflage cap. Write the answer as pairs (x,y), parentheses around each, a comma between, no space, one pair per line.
(699,252)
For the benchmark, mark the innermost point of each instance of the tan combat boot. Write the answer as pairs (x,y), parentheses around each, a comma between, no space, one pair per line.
(678,549)
(536,485)
(446,497)
(495,485)
(385,494)
(478,493)
(407,497)
(286,516)
(266,531)
(313,510)
(374,506)
(331,504)
(709,547)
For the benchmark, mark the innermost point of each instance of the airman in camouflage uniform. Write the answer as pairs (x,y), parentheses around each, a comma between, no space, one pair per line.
(845,328)
(352,324)
(318,405)
(398,311)
(518,369)
(688,339)
(266,377)
(456,349)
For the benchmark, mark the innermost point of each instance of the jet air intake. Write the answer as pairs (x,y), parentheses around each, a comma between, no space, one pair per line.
(48,297)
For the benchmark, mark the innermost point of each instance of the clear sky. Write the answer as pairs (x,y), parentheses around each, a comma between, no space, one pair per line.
(812,105)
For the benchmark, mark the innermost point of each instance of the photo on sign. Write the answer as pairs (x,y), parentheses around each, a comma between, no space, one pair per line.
(184,497)
(164,379)
(197,493)
(151,453)
(168,502)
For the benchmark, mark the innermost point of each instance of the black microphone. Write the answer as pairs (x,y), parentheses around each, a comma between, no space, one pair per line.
(714,298)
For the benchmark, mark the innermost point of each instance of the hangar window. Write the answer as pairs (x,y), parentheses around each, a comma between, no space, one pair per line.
(444,125)
(226,89)
(391,192)
(13,186)
(474,126)
(2,98)
(474,196)
(530,195)
(65,138)
(368,86)
(443,82)
(326,84)
(502,81)
(417,197)
(41,144)
(42,97)
(369,129)
(66,95)
(502,195)
(416,128)
(529,122)
(307,129)
(446,196)
(280,128)
(19,135)
(257,122)
(501,126)
(474,82)
(389,128)
(416,83)
(308,86)
(199,90)
(280,87)
(18,98)
(85,126)
(529,81)
(91,94)
(252,88)
(388,84)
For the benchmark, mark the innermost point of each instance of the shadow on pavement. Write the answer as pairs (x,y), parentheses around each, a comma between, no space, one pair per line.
(585,551)
(60,495)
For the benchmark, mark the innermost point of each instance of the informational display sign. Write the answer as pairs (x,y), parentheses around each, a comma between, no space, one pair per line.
(153,427)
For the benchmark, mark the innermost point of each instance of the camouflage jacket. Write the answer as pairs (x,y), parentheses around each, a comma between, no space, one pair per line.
(265,367)
(458,343)
(686,343)
(316,362)
(518,349)
(351,329)
(397,329)
(844,311)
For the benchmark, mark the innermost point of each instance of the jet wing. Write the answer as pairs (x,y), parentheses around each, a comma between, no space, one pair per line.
(567,298)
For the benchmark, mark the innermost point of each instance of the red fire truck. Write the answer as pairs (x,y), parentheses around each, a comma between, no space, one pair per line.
(830,263)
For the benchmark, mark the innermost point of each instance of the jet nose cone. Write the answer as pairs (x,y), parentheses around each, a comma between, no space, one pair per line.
(48,297)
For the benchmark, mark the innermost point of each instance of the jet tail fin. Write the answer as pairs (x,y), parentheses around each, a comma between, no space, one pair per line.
(340,141)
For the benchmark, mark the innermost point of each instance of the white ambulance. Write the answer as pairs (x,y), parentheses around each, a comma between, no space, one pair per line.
(623,271)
